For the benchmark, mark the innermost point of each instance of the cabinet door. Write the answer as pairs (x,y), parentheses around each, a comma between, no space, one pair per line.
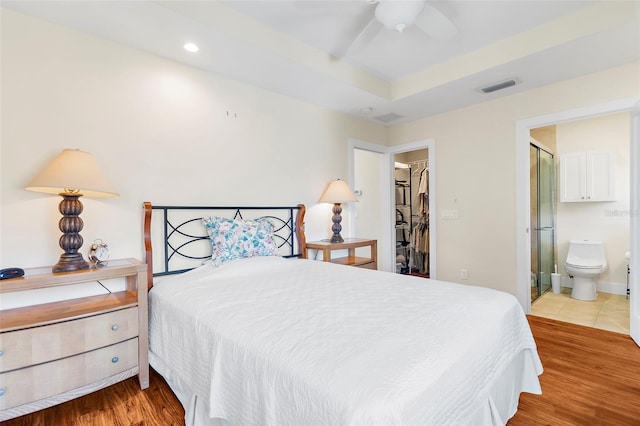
(600,175)
(573,177)
(587,176)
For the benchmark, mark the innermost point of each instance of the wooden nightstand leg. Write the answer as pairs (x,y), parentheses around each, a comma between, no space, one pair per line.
(143,331)
(326,255)
(374,250)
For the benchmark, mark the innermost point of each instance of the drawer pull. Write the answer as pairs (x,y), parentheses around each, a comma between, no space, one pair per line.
(115,327)
(1,392)
(115,359)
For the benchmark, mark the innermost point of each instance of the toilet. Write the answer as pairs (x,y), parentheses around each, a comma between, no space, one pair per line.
(585,262)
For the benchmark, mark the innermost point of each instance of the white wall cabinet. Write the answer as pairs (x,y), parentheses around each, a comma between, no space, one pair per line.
(587,176)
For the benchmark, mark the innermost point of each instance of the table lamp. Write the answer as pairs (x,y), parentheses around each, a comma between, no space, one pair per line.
(337,192)
(72,174)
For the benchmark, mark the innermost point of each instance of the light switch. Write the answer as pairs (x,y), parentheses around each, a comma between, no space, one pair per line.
(449,215)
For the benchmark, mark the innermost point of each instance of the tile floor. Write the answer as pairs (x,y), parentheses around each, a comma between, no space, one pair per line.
(609,312)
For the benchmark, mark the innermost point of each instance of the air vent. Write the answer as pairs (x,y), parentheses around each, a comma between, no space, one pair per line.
(498,86)
(387,118)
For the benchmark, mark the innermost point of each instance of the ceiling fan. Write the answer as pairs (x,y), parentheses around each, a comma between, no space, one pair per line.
(397,15)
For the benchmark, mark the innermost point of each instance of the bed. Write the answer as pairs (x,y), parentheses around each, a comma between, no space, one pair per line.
(277,339)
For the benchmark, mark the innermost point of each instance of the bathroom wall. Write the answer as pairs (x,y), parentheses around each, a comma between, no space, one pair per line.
(545,137)
(606,221)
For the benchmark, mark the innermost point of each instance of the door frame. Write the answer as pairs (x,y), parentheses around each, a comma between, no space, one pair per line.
(387,247)
(523,236)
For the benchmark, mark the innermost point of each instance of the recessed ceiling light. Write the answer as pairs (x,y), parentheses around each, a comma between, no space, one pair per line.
(191,47)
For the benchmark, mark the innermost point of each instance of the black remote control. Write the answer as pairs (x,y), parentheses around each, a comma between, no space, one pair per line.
(7,273)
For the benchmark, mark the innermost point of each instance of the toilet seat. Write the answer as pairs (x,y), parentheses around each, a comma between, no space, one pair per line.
(584,266)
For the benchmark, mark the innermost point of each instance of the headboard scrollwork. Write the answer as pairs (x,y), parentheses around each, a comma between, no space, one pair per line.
(175,240)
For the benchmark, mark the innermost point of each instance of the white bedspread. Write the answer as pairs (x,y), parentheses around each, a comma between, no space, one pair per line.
(270,341)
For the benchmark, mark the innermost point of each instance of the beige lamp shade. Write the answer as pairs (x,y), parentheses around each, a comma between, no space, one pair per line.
(338,192)
(73,171)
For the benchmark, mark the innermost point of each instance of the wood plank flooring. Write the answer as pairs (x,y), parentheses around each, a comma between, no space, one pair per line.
(591,377)
(122,404)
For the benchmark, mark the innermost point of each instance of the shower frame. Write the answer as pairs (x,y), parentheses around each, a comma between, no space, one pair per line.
(543,240)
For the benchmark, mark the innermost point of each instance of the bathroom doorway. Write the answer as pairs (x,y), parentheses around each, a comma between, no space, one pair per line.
(609,212)
(543,246)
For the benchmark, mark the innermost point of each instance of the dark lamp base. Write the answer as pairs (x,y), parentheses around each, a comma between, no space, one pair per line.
(71,241)
(336,238)
(71,262)
(336,227)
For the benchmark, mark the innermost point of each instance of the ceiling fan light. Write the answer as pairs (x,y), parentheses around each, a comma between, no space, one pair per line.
(398,14)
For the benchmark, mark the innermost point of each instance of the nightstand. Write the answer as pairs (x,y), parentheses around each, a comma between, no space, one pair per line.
(54,352)
(349,244)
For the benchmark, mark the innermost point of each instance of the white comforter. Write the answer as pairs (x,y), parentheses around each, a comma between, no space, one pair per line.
(270,341)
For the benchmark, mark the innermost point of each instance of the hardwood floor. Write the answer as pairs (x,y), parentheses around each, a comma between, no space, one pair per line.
(122,404)
(591,377)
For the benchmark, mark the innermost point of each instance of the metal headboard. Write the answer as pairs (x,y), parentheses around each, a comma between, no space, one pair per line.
(176,240)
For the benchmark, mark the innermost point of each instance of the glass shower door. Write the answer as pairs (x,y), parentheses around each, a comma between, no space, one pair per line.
(542,217)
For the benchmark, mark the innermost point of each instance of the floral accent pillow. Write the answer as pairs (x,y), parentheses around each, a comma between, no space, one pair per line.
(236,238)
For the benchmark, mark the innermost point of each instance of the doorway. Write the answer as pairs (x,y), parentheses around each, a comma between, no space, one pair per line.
(411,199)
(385,211)
(420,156)
(523,128)
(543,262)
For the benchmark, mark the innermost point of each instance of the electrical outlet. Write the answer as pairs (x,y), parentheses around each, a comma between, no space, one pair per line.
(463,274)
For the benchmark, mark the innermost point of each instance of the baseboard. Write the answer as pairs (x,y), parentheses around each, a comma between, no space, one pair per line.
(601,287)
(613,288)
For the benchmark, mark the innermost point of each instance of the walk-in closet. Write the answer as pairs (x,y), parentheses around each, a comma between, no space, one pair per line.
(412,212)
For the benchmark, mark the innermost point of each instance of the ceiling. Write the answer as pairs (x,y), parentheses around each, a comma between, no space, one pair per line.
(298,47)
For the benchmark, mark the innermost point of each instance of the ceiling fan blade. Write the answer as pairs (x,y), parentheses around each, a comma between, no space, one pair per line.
(435,24)
(363,38)
(368,33)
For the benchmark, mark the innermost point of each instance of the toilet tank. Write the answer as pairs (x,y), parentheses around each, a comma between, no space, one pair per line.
(587,253)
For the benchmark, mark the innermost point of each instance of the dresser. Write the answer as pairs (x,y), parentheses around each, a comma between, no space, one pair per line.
(53,352)
(350,245)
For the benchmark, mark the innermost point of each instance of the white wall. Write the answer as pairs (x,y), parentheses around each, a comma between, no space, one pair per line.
(163,132)
(476,172)
(607,221)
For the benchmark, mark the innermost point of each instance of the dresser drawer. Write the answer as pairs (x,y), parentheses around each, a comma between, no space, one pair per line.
(37,345)
(41,381)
